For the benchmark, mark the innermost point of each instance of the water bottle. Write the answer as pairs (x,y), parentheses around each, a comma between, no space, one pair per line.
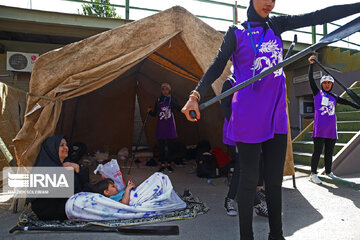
(208,181)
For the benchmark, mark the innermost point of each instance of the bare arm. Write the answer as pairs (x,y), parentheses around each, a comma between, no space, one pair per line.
(126,198)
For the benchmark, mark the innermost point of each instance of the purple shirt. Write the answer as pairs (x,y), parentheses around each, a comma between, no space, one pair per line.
(166,128)
(258,110)
(325,118)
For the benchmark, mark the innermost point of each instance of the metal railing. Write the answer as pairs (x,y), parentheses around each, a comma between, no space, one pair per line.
(127,7)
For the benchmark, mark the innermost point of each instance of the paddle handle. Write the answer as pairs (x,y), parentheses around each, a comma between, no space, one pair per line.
(342,32)
(325,70)
(193,114)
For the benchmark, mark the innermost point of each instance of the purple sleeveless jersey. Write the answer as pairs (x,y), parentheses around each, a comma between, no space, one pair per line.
(258,110)
(325,118)
(166,128)
(226,140)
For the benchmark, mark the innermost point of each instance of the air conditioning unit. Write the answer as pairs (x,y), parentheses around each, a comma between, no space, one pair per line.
(20,62)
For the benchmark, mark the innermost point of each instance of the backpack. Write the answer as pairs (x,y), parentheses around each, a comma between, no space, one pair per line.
(207,166)
(202,147)
(222,158)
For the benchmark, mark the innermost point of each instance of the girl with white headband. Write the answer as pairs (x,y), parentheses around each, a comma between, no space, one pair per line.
(325,130)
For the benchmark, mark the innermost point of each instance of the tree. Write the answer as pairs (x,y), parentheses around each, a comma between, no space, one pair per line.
(99,10)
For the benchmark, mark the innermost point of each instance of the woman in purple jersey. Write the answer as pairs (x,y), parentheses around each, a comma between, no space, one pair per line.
(164,109)
(259,206)
(259,118)
(325,130)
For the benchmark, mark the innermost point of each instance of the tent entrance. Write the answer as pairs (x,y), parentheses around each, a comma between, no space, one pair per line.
(110,117)
(138,123)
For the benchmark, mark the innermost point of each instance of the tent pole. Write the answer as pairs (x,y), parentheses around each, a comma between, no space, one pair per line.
(62,118)
(157,54)
(74,119)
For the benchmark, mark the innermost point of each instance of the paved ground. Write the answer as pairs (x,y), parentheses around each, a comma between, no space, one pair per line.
(310,212)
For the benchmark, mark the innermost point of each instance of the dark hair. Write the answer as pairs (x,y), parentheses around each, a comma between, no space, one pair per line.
(101,186)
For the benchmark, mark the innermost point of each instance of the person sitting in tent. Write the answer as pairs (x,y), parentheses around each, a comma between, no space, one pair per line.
(54,151)
(155,196)
(325,131)
(164,109)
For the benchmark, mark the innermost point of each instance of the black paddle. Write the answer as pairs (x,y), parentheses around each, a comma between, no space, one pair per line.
(340,33)
(351,94)
(291,47)
(129,230)
(138,142)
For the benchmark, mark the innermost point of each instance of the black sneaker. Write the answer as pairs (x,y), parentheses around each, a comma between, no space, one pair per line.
(229,207)
(162,169)
(170,169)
(261,210)
(261,194)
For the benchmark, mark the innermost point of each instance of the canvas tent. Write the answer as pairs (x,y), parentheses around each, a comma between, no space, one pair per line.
(87,89)
(13,104)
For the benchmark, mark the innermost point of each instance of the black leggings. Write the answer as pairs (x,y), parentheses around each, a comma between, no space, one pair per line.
(328,153)
(162,143)
(274,151)
(235,178)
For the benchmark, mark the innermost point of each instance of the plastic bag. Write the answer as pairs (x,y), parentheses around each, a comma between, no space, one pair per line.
(112,170)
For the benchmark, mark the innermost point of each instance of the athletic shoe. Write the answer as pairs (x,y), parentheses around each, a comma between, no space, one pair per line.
(261,210)
(170,169)
(162,169)
(229,207)
(261,194)
(331,175)
(315,179)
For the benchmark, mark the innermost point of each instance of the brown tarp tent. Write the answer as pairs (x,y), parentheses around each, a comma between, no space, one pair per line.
(87,89)
(13,104)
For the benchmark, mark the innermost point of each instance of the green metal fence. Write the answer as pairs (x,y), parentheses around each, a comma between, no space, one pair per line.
(127,7)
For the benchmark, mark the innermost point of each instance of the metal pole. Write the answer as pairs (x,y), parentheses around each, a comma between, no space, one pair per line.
(236,13)
(127,8)
(313,31)
(325,30)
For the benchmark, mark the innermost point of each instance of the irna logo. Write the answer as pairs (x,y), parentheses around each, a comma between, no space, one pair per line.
(32,180)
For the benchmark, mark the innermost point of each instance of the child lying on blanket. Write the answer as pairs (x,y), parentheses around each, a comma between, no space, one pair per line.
(152,197)
(108,188)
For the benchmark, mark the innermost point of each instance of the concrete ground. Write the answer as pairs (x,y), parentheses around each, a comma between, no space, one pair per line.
(309,212)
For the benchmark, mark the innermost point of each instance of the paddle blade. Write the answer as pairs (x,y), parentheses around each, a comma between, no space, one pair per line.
(342,32)
(149,230)
(353,96)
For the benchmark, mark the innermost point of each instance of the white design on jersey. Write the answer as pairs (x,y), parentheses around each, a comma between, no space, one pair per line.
(165,113)
(275,58)
(329,109)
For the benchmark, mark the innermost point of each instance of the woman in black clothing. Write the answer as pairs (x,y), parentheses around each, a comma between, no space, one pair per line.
(259,118)
(259,206)
(324,131)
(164,109)
(54,151)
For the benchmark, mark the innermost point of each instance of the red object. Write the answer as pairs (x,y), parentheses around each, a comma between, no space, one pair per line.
(222,158)
(33,57)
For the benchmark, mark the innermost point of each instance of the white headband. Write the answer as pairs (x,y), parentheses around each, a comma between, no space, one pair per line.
(327,78)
